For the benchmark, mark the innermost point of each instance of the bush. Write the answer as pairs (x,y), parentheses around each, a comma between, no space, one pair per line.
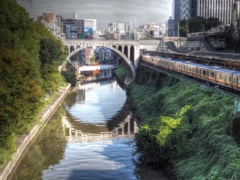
(185,123)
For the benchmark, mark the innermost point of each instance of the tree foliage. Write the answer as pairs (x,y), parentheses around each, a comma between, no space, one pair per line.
(198,24)
(29,59)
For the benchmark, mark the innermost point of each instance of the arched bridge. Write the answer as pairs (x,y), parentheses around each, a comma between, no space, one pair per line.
(128,50)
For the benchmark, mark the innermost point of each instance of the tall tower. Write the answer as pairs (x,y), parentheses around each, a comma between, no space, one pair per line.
(177,10)
(221,9)
(30,6)
(237,3)
(185,12)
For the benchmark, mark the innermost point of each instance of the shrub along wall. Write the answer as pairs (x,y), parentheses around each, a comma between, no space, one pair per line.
(185,123)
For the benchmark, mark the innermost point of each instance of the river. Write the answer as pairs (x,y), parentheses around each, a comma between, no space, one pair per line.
(91,136)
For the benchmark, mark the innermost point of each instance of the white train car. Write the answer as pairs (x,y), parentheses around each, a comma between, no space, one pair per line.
(215,74)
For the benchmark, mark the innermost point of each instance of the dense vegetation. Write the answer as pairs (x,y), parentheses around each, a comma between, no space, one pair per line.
(121,73)
(198,24)
(185,124)
(29,59)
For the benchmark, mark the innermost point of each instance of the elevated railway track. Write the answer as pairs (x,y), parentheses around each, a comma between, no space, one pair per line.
(228,60)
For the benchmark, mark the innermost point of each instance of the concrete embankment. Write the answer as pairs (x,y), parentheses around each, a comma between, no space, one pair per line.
(24,140)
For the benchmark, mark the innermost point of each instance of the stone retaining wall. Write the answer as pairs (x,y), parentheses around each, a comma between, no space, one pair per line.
(44,116)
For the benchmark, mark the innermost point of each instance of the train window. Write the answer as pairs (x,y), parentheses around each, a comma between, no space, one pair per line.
(234,80)
(238,80)
(197,71)
(212,74)
(230,79)
(220,76)
(207,73)
(204,73)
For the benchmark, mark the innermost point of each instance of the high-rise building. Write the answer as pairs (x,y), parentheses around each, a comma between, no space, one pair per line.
(193,8)
(73,28)
(185,11)
(189,9)
(90,28)
(237,8)
(177,10)
(170,28)
(30,6)
(221,9)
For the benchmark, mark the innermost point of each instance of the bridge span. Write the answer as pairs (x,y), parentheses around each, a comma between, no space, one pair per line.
(128,50)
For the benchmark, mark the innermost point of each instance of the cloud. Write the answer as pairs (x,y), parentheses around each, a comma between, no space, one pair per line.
(106,11)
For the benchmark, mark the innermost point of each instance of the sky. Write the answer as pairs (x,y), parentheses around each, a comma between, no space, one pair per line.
(107,11)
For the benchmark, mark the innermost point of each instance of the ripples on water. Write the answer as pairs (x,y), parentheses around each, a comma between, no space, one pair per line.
(90,138)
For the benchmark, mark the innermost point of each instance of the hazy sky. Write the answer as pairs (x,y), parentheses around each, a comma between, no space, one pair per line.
(106,11)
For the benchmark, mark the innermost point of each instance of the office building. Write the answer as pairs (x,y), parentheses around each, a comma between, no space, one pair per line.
(170,27)
(30,6)
(221,9)
(74,28)
(90,28)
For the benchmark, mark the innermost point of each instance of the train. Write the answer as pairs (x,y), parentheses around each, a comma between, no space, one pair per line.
(217,75)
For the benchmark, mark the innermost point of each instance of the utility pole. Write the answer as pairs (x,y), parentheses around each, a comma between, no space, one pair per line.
(178,29)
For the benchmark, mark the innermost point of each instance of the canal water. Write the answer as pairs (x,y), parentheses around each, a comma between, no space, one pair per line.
(90,137)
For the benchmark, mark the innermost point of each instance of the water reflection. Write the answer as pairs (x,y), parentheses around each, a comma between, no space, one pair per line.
(100,111)
(92,139)
(96,103)
(48,149)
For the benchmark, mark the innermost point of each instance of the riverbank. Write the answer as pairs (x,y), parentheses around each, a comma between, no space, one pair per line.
(185,124)
(23,141)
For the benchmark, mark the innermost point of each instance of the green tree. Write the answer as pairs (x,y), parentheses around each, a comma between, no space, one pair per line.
(51,56)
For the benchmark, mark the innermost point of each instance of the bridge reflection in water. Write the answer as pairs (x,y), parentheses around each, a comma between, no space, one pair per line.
(126,129)
(79,127)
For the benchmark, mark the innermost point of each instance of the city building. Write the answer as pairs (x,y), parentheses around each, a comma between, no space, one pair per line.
(236,20)
(90,28)
(156,32)
(170,27)
(189,9)
(74,28)
(177,10)
(30,6)
(185,10)
(237,4)
(89,53)
(120,30)
(53,23)
(219,9)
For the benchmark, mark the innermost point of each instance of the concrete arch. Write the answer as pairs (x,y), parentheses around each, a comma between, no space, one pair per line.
(72,48)
(77,47)
(127,62)
(120,48)
(114,47)
(126,50)
(132,54)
